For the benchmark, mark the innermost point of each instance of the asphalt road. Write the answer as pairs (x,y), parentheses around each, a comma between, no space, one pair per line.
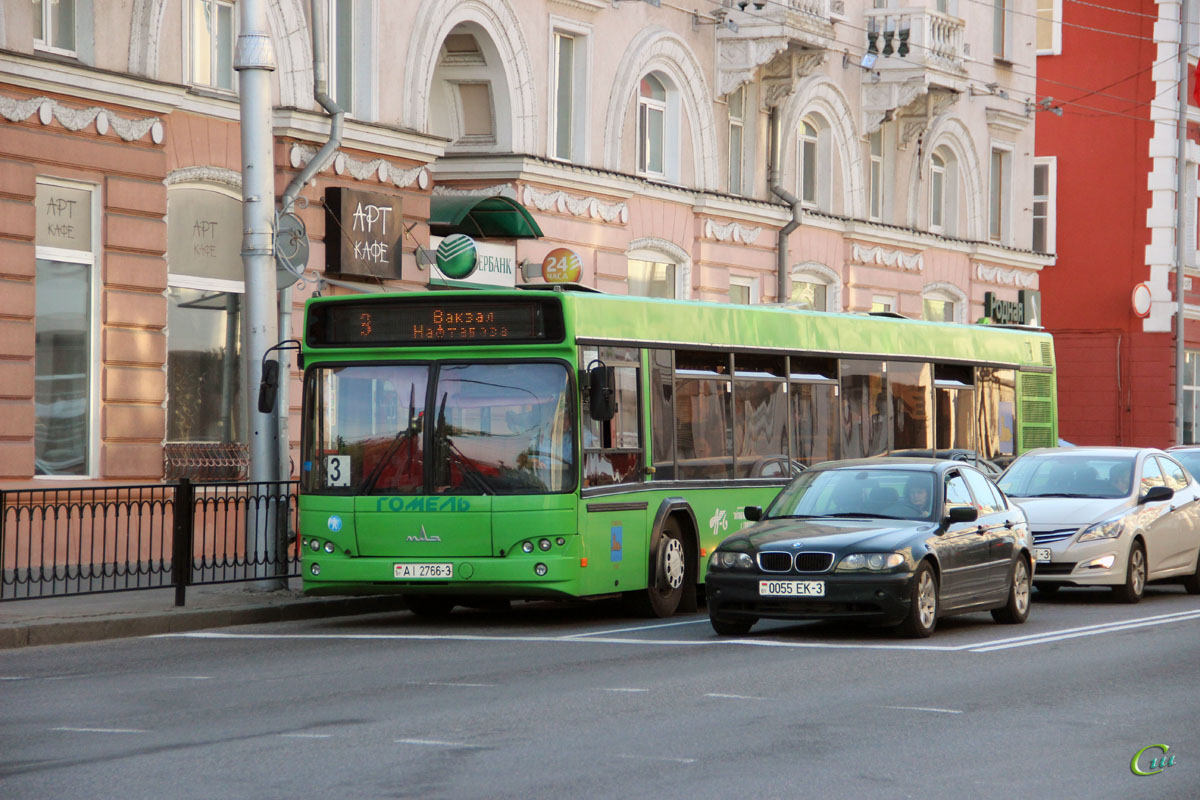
(561,701)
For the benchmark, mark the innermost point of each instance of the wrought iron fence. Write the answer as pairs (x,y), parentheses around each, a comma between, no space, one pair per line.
(56,542)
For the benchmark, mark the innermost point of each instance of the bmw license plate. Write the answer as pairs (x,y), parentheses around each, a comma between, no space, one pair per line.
(409,572)
(1041,555)
(791,588)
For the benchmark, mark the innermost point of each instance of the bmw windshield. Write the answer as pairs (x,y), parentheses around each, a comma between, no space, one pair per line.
(481,428)
(878,493)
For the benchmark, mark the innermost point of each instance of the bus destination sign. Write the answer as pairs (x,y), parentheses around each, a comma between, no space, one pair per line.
(429,322)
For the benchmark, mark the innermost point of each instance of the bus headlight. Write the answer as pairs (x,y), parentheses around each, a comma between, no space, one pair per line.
(527,547)
(540,569)
(329,547)
(315,569)
(544,544)
(315,545)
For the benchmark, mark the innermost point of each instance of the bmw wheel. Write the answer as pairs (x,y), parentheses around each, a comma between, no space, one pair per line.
(1016,610)
(923,609)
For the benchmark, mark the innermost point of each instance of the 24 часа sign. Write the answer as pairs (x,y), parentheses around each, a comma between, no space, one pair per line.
(363,233)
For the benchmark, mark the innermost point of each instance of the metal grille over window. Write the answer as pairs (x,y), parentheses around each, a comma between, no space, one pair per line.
(205,461)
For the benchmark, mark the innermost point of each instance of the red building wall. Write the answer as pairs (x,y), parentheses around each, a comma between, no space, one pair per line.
(1115,383)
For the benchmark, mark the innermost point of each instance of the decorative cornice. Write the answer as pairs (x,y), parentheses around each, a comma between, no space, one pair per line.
(564,203)
(76,119)
(1003,276)
(501,189)
(376,169)
(220,175)
(910,262)
(582,5)
(734,230)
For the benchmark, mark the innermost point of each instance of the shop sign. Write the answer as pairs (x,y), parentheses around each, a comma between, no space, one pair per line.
(64,217)
(561,266)
(1026,310)
(204,234)
(363,233)
(495,264)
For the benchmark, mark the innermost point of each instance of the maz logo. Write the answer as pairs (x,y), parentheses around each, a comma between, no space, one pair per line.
(424,537)
(1157,764)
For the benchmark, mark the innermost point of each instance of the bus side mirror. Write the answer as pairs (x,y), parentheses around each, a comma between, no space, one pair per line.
(602,402)
(268,387)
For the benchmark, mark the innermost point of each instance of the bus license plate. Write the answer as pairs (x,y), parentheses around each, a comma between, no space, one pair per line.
(1041,555)
(791,588)
(411,572)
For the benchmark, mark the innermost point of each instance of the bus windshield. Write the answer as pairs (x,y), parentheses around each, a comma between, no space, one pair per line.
(493,428)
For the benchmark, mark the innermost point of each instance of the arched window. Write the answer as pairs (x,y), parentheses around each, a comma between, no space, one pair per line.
(943,192)
(814,163)
(943,302)
(815,287)
(652,126)
(658,268)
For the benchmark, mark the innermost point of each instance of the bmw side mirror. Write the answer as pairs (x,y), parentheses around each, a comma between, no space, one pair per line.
(268,387)
(752,513)
(602,401)
(1156,494)
(962,514)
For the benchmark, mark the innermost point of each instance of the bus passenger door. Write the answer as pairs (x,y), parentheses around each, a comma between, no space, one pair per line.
(613,514)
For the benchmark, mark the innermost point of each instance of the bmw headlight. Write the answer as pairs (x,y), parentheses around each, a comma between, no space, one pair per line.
(1108,529)
(726,559)
(870,562)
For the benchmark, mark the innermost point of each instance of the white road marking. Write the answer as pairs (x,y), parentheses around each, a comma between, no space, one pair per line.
(622,689)
(13,678)
(448,683)
(306,735)
(732,696)
(658,758)
(191,677)
(638,628)
(434,743)
(931,710)
(987,646)
(98,730)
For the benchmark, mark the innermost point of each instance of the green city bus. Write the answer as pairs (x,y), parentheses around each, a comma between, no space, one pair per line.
(474,446)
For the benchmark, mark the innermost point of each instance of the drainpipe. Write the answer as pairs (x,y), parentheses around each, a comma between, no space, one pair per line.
(319,162)
(777,189)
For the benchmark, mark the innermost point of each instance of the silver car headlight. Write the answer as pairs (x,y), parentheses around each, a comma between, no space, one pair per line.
(727,559)
(1108,529)
(870,562)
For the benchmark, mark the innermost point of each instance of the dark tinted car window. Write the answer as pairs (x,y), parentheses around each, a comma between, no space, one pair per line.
(984,498)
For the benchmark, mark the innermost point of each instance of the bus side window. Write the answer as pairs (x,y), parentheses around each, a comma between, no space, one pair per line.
(612,449)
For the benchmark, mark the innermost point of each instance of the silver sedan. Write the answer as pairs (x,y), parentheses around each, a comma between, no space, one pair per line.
(1108,516)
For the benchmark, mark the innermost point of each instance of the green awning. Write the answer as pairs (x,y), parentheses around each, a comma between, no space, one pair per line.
(481,217)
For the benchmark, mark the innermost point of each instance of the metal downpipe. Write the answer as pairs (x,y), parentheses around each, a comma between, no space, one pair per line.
(777,189)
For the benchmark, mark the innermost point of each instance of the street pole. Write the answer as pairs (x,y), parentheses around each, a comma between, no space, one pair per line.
(1181,208)
(254,61)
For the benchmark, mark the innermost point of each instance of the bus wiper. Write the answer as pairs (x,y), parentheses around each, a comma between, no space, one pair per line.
(400,437)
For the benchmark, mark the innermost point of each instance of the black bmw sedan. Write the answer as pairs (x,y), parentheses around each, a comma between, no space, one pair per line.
(900,541)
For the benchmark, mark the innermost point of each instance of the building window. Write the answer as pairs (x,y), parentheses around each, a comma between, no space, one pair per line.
(998,194)
(938,310)
(652,117)
(1049,27)
(63,375)
(808,163)
(54,24)
(737,102)
(1191,396)
(809,295)
(204,307)
(876,176)
(1002,30)
(651,278)
(742,290)
(881,304)
(564,95)
(937,193)
(475,113)
(341,53)
(212,42)
(1044,205)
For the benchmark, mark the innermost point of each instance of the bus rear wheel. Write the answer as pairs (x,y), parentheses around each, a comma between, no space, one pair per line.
(668,573)
(430,606)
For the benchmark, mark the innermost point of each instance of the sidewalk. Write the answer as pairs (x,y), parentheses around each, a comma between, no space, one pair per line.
(145,612)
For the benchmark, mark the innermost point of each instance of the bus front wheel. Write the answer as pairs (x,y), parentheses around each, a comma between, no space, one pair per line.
(668,573)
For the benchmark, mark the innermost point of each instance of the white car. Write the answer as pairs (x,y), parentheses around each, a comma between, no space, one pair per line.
(1108,516)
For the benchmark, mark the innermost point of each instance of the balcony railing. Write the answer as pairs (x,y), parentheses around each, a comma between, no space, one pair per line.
(916,37)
